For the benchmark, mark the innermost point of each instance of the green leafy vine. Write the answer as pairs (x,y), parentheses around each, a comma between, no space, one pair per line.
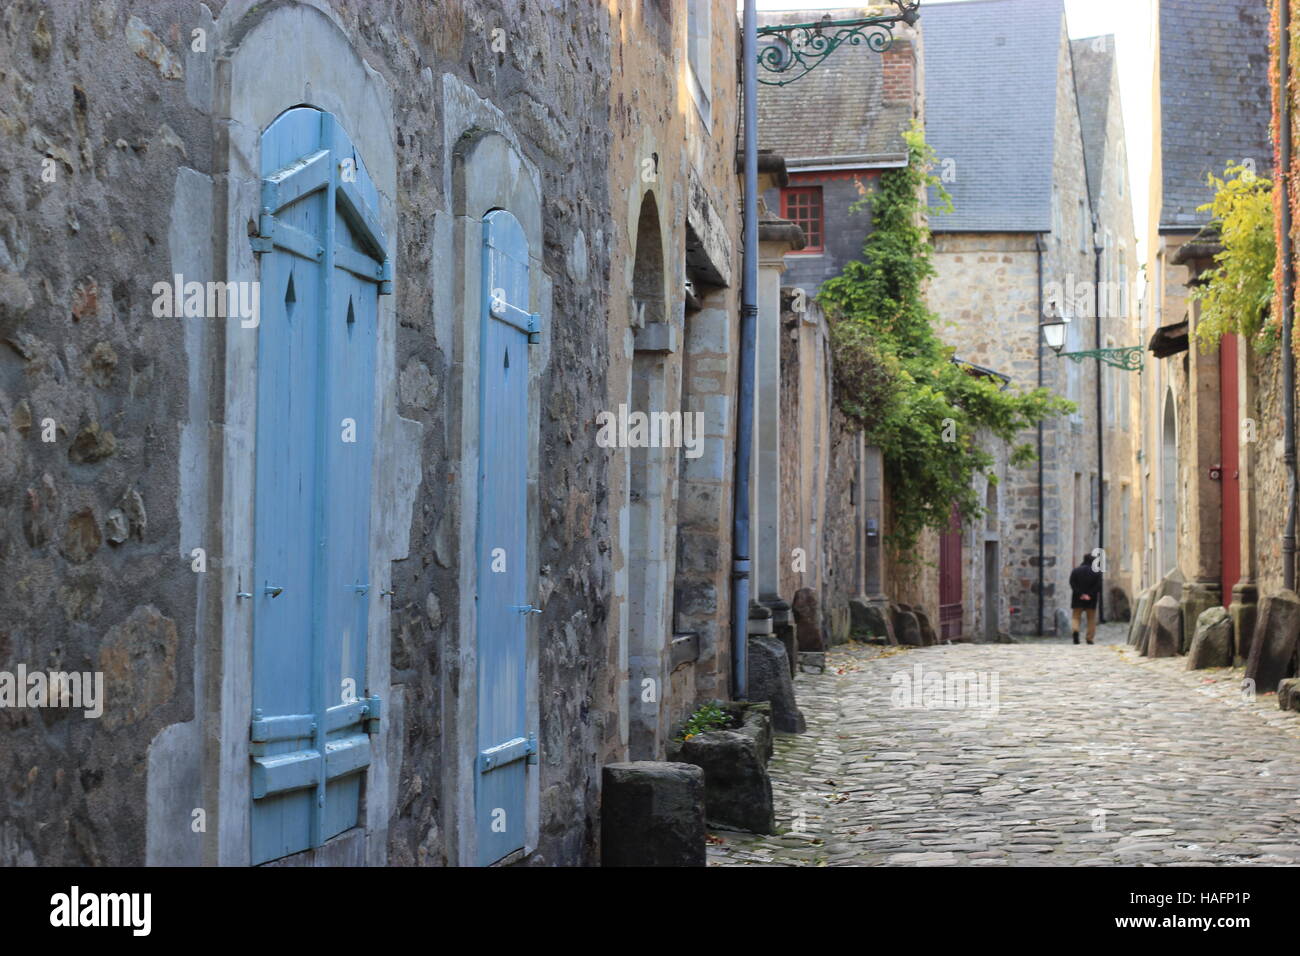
(895,378)
(1236,294)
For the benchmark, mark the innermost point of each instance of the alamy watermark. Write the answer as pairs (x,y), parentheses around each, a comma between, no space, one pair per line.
(76,909)
(1082,298)
(179,299)
(55,689)
(626,429)
(945,690)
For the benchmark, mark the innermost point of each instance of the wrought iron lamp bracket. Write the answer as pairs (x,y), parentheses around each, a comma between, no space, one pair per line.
(1128,358)
(803,47)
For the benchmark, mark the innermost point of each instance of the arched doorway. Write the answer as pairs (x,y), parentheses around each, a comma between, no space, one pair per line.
(648,482)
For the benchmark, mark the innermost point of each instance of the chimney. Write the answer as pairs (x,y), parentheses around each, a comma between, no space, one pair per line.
(898,64)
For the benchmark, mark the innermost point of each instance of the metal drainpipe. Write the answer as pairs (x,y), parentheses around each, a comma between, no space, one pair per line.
(1101,442)
(740,543)
(1288,288)
(1038,334)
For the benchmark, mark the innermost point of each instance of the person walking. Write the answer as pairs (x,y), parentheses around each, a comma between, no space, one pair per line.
(1085,594)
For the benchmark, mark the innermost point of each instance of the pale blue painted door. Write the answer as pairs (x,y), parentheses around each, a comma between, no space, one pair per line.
(504,745)
(322,270)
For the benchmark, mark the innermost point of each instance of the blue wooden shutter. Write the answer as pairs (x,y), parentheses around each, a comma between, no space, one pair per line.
(323,267)
(504,745)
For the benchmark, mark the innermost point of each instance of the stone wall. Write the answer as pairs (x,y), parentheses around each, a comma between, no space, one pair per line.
(101,520)
(672,135)
(1265,497)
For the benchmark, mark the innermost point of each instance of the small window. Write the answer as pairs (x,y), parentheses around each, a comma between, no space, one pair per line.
(1083,227)
(802,205)
(699,54)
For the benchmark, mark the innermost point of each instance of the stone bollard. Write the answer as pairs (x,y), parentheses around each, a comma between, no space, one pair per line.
(807,621)
(928,637)
(1288,694)
(769,679)
(906,627)
(1212,641)
(737,788)
(1137,624)
(1167,628)
(1273,647)
(652,814)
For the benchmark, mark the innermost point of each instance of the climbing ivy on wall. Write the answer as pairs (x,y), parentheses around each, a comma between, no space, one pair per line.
(1237,293)
(895,378)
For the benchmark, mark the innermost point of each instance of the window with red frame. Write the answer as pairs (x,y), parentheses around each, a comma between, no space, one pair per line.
(802,205)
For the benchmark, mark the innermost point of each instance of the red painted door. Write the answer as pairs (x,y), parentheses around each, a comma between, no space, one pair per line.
(1230,461)
(950,580)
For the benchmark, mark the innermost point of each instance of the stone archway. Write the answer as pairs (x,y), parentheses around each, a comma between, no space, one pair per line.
(648,484)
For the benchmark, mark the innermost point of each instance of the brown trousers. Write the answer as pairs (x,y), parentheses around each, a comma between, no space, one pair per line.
(1091,613)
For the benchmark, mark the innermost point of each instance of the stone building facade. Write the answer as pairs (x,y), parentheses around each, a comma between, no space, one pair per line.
(487,264)
(1212,523)
(672,341)
(836,129)
(1018,244)
(1118,305)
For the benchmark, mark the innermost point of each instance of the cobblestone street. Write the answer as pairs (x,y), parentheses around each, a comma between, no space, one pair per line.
(1093,757)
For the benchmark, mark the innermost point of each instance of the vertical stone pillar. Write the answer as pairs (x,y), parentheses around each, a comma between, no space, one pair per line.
(810,464)
(776,237)
(1204,587)
(1245,593)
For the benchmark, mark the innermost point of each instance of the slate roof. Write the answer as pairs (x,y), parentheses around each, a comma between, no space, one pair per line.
(835,110)
(990,107)
(1214,99)
(1094,65)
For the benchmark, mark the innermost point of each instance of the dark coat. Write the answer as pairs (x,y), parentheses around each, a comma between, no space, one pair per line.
(1084,580)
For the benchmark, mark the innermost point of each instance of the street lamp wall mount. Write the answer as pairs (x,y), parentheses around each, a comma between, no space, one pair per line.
(793,50)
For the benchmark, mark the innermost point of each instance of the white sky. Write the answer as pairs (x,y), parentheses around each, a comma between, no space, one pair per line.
(1130,21)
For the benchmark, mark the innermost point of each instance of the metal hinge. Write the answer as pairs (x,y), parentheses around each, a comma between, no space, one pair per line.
(386,278)
(508,753)
(529,322)
(374,712)
(262,242)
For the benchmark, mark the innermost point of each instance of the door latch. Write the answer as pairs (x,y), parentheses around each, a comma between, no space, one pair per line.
(525,609)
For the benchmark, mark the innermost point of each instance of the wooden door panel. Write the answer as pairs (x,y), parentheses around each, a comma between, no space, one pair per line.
(503,743)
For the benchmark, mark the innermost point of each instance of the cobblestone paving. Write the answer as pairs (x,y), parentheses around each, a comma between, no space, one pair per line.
(1094,756)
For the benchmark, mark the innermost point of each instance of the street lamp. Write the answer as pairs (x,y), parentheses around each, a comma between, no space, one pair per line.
(1054,327)
(1128,358)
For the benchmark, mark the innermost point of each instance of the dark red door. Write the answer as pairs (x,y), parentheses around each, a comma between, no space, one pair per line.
(950,580)
(1230,463)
